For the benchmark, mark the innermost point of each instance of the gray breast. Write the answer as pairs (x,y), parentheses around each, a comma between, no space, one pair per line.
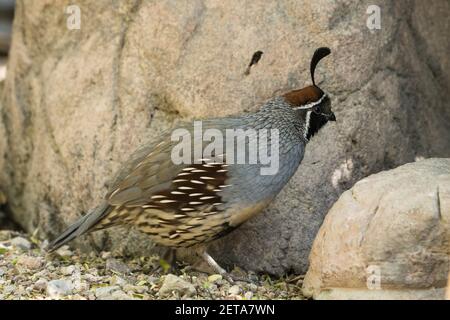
(250,186)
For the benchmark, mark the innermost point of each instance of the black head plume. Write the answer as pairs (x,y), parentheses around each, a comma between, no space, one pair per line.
(319,54)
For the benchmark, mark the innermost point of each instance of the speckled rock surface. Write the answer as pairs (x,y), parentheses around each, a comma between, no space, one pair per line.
(77,102)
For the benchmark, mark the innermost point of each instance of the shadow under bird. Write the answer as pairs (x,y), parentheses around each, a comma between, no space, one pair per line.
(190,205)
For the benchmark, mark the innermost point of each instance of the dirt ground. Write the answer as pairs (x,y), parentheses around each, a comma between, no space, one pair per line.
(28,272)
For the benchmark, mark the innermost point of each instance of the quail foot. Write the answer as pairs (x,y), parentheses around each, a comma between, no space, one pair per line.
(181,204)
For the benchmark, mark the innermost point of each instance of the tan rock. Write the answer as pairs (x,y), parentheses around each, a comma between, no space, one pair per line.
(77,102)
(388,237)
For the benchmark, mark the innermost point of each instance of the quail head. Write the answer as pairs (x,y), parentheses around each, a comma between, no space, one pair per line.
(191,203)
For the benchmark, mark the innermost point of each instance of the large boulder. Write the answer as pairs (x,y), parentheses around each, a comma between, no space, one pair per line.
(387,237)
(78,101)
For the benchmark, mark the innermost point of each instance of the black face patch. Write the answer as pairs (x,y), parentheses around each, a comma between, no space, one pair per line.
(316,122)
(319,116)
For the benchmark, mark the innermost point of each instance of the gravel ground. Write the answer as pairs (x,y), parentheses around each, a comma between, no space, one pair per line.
(26,272)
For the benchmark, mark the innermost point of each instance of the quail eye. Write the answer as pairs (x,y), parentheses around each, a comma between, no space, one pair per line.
(317,109)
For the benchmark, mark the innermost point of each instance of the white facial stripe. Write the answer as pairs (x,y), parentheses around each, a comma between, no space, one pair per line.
(308,117)
(312,104)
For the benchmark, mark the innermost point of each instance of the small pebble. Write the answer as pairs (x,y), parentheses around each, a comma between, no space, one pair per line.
(234,290)
(116,280)
(117,266)
(252,287)
(40,285)
(172,283)
(69,270)
(59,288)
(43,245)
(214,277)
(64,251)
(120,295)
(105,255)
(248,295)
(91,278)
(134,289)
(9,289)
(80,286)
(21,243)
(105,292)
(152,279)
(29,262)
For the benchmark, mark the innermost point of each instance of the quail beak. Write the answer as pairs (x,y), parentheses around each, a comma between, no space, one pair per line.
(332,117)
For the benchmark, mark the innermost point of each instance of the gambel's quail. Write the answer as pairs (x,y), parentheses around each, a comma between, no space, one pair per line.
(183,205)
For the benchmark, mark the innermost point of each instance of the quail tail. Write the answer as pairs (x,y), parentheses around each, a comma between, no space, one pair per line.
(80,227)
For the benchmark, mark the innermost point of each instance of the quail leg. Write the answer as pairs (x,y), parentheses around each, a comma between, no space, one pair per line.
(217,268)
(213,264)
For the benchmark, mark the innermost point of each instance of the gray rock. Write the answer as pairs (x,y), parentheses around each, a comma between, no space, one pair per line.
(389,89)
(117,266)
(21,243)
(173,284)
(120,295)
(91,278)
(104,293)
(59,288)
(152,279)
(79,285)
(116,280)
(9,289)
(386,238)
(135,289)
